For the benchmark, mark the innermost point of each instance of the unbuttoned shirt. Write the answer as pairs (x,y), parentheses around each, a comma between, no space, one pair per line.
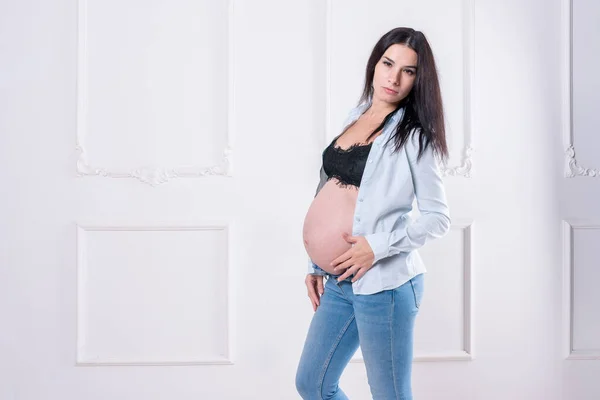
(389,185)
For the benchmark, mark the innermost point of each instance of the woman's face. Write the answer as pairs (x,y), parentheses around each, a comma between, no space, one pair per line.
(395,74)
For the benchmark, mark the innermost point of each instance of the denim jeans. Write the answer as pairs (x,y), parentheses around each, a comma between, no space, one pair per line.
(382,323)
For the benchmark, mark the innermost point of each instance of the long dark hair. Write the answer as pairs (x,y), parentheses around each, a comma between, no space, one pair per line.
(423,105)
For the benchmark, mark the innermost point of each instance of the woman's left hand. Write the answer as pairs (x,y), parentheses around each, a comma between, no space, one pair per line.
(357,260)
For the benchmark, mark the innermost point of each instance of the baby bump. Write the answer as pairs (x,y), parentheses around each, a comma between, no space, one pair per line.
(328,217)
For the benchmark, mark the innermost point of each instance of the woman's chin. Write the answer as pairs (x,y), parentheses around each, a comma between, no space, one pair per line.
(393,100)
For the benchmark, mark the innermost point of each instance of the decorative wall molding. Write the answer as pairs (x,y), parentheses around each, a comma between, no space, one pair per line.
(461,170)
(83,359)
(572,167)
(464,169)
(568,272)
(467,353)
(152,175)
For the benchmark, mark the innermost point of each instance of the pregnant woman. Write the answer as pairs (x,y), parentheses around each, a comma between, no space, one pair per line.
(359,232)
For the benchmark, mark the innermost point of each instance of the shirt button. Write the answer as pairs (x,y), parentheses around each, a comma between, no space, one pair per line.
(358,218)
(370,161)
(360,199)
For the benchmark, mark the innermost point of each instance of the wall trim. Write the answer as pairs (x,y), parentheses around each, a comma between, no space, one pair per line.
(568,272)
(572,167)
(80,357)
(152,175)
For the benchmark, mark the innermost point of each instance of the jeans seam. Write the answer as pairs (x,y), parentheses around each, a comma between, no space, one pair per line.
(414,294)
(392,344)
(338,285)
(330,355)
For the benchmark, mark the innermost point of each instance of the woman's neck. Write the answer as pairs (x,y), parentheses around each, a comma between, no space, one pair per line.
(379,109)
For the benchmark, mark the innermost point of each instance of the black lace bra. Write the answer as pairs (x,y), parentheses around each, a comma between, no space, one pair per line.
(347,165)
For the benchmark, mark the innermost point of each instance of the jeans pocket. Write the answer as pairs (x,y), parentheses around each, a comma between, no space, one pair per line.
(416,284)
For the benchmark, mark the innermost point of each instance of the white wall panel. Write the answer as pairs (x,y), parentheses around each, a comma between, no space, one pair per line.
(153,295)
(154,97)
(581,59)
(580,196)
(582,298)
(444,326)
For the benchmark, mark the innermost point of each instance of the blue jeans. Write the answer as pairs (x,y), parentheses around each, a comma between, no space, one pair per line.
(382,323)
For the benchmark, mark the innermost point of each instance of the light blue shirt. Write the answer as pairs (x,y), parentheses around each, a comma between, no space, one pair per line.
(389,184)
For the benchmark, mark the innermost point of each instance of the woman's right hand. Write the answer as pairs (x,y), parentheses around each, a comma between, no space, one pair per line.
(314,285)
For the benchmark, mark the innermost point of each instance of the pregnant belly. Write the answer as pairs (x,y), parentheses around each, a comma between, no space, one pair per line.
(328,217)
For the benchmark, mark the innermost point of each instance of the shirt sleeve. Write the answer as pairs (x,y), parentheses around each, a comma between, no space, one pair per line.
(434,221)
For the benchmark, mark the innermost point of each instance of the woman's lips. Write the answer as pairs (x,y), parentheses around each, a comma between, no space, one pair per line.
(390,91)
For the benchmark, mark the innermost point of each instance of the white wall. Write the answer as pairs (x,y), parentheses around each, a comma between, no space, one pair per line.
(158,159)
(580,196)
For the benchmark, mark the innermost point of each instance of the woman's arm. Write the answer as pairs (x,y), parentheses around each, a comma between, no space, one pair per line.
(434,221)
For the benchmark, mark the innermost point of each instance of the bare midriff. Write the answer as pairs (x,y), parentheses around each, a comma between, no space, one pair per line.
(328,217)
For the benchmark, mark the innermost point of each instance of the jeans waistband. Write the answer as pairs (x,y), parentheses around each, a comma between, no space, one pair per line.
(332,275)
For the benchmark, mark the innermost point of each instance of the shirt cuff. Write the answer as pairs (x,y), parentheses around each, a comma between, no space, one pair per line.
(379,243)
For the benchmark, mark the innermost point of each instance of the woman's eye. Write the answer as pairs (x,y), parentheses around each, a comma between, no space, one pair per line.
(409,71)
(387,63)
